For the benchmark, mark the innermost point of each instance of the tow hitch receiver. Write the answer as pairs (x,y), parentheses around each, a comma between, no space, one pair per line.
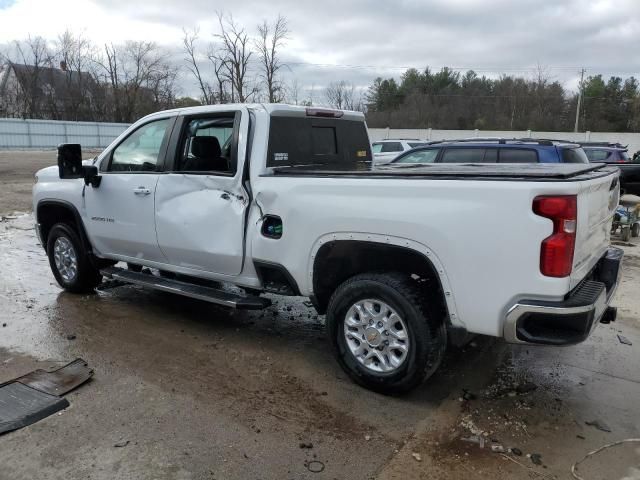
(609,315)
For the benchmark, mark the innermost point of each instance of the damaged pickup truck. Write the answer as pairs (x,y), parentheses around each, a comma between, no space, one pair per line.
(226,203)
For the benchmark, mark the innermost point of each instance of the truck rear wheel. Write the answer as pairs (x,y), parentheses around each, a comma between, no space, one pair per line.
(69,260)
(384,334)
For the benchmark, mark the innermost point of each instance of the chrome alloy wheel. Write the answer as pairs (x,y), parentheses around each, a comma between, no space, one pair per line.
(65,259)
(376,335)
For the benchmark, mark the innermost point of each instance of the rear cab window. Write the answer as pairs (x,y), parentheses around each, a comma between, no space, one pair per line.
(318,143)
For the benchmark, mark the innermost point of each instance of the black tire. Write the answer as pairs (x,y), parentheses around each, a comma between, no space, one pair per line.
(625,233)
(426,332)
(87,276)
(635,230)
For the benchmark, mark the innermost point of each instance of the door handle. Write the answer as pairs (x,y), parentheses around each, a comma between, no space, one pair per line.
(141,191)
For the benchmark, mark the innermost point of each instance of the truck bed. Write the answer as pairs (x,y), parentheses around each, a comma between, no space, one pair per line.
(475,171)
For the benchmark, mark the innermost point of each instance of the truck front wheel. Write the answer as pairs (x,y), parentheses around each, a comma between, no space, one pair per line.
(69,260)
(384,334)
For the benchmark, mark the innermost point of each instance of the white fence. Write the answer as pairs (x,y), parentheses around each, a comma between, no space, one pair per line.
(631,139)
(42,134)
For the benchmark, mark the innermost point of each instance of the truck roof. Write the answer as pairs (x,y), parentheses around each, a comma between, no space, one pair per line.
(279,109)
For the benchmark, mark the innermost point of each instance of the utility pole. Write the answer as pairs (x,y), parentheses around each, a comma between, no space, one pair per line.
(575,128)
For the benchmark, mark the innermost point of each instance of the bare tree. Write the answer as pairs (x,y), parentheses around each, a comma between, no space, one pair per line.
(221,73)
(189,42)
(31,99)
(271,38)
(234,55)
(80,91)
(139,77)
(341,95)
(293,92)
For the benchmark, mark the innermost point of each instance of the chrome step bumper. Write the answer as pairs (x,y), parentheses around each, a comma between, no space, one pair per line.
(571,320)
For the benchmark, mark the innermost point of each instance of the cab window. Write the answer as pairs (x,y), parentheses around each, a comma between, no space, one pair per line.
(142,149)
(207,145)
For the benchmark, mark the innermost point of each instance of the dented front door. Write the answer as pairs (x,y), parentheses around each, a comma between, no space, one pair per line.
(200,215)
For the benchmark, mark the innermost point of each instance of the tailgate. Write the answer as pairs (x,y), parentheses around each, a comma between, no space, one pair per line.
(597,200)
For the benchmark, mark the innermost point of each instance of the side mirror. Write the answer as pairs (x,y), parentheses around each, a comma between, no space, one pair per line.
(91,177)
(70,161)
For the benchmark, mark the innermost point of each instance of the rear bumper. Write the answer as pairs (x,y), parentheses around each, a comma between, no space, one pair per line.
(573,319)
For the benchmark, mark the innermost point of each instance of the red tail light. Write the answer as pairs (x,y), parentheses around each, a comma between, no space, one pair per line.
(556,253)
(323,112)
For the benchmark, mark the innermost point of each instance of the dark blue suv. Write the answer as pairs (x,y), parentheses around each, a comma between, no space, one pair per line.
(495,150)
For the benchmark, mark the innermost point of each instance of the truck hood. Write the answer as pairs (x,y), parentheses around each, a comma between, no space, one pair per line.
(52,171)
(48,172)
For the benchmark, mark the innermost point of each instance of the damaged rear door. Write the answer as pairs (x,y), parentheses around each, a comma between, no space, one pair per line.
(201,201)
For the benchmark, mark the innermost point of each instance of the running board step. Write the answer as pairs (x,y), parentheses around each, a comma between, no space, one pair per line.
(208,294)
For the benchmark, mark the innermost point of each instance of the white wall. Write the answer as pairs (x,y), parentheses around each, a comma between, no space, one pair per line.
(18,134)
(631,139)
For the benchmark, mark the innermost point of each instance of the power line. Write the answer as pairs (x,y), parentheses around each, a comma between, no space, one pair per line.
(478,69)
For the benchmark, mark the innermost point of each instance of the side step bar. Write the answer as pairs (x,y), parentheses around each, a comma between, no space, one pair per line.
(208,294)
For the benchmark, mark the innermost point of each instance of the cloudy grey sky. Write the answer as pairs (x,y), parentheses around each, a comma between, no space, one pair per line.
(357,40)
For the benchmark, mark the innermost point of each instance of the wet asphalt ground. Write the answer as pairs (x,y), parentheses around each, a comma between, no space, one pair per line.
(186,390)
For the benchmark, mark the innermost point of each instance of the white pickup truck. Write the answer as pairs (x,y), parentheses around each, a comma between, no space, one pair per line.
(281,199)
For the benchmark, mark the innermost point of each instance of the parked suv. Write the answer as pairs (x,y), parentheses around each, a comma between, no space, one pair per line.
(385,151)
(604,152)
(499,150)
(615,153)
